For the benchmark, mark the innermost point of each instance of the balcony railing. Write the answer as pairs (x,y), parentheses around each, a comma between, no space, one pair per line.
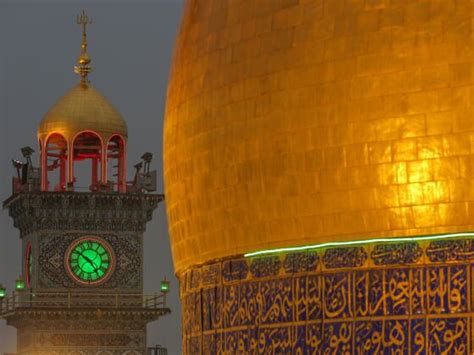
(157,350)
(62,300)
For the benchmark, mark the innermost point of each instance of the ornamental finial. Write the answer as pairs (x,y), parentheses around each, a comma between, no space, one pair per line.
(83,67)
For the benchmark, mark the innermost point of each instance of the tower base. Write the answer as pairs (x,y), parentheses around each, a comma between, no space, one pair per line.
(82,331)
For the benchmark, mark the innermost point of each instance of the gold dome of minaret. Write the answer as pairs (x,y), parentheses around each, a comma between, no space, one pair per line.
(82,108)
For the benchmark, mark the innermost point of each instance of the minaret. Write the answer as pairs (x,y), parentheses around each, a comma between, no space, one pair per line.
(81,290)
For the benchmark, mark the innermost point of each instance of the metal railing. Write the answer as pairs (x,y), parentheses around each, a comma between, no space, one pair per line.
(157,350)
(61,300)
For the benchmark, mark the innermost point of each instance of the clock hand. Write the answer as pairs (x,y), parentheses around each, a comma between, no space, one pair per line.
(90,262)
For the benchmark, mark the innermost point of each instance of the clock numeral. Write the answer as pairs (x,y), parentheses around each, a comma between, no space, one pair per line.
(81,262)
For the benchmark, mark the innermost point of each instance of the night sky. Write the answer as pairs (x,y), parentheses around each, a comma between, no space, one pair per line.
(131,44)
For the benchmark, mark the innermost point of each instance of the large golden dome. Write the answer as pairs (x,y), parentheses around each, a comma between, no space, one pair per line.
(301,122)
(83,108)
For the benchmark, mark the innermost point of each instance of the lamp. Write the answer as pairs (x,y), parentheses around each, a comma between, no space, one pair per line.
(20,284)
(3,292)
(165,286)
(27,151)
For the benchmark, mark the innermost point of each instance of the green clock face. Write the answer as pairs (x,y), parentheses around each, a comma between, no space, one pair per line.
(90,261)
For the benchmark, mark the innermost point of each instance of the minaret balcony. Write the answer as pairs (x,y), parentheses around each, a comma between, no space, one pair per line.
(28,302)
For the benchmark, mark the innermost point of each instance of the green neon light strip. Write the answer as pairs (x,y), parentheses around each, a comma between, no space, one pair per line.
(358,242)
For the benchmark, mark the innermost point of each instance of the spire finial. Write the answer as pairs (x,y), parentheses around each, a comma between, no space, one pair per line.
(83,68)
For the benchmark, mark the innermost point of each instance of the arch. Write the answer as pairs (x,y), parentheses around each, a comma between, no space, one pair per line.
(28,264)
(116,161)
(86,146)
(54,158)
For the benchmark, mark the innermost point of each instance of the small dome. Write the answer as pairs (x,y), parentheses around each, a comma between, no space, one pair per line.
(83,108)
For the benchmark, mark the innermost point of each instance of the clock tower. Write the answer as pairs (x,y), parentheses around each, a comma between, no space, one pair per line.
(81,224)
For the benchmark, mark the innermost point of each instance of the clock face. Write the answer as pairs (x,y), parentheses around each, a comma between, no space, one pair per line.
(89,261)
(28,264)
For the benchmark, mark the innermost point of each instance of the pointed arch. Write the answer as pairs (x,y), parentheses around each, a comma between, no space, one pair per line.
(54,158)
(87,146)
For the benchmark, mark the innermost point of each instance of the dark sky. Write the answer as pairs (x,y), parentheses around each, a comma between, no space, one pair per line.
(131,44)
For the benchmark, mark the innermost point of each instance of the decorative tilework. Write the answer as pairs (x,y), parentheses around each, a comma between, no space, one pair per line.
(314,298)
(211,274)
(381,337)
(231,306)
(418,336)
(337,294)
(448,335)
(249,304)
(451,250)
(265,266)
(235,269)
(344,257)
(300,262)
(211,308)
(369,308)
(392,254)
(277,300)
(337,337)
(397,292)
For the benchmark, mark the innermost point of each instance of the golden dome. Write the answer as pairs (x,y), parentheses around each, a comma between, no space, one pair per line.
(302,122)
(83,108)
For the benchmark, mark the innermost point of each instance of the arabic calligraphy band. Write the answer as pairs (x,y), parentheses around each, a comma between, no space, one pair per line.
(388,298)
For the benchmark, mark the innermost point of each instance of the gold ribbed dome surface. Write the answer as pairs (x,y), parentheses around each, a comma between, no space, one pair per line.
(295,122)
(82,108)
